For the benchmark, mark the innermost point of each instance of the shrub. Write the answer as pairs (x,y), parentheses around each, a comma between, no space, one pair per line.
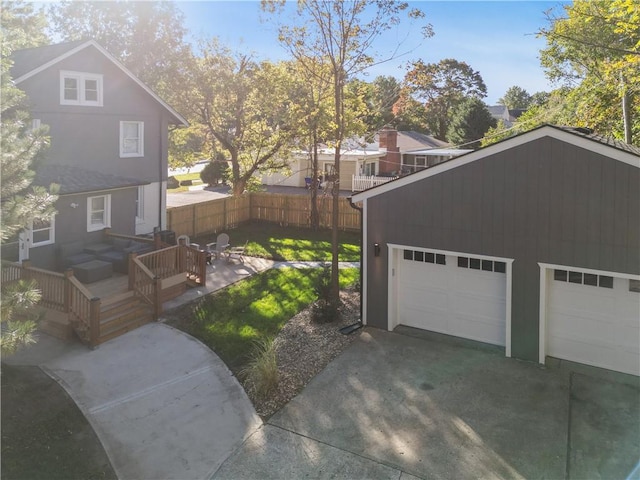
(172,182)
(261,372)
(322,310)
(186,183)
(215,171)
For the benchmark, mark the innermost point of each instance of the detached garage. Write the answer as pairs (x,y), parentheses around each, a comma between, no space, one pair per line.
(532,243)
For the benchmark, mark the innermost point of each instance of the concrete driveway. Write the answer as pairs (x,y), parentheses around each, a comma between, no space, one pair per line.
(402,405)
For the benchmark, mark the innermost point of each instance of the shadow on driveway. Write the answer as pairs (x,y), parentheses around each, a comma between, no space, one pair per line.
(436,409)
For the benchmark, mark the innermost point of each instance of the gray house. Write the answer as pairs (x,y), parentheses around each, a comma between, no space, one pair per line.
(109,145)
(532,243)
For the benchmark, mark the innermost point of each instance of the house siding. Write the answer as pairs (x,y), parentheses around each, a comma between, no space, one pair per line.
(71,223)
(89,136)
(543,201)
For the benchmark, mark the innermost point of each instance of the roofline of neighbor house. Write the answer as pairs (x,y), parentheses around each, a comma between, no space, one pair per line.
(116,62)
(539,132)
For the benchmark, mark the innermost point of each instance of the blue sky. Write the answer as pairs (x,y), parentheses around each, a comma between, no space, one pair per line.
(496,38)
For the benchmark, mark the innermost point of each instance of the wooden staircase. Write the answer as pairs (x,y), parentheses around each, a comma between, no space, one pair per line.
(122,313)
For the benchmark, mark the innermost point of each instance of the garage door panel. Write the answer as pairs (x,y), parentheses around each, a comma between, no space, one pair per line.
(482,330)
(594,325)
(452,300)
(426,319)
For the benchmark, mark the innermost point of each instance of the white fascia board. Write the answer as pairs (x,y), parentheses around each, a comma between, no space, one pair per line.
(124,69)
(545,131)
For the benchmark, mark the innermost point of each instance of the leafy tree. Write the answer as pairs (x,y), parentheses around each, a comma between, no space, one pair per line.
(516,97)
(147,37)
(409,113)
(442,86)
(380,97)
(244,109)
(539,98)
(595,49)
(470,121)
(339,35)
(22,27)
(21,203)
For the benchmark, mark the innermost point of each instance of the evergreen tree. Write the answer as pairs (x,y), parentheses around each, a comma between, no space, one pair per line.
(470,121)
(21,202)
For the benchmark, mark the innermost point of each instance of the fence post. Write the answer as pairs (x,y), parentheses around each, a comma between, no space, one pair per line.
(202,266)
(193,224)
(94,322)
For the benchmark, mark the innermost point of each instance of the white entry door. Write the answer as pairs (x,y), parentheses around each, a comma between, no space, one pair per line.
(594,319)
(456,295)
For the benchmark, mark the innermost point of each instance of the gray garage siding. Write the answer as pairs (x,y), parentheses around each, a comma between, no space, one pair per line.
(544,201)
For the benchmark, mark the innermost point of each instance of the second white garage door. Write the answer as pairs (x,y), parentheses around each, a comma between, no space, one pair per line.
(455,295)
(594,319)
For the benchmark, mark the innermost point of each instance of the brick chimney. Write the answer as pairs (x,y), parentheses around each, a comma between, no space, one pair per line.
(388,139)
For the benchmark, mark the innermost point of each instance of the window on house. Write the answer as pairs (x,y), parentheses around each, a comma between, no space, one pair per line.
(42,232)
(131,139)
(79,88)
(421,162)
(634,286)
(35,124)
(98,212)
(369,169)
(140,204)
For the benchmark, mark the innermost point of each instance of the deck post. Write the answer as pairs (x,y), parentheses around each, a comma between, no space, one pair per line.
(157,307)
(68,273)
(25,269)
(131,271)
(156,241)
(94,322)
(202,262)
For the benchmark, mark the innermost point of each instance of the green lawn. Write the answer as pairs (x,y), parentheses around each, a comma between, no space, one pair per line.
(254,309)
(287,243)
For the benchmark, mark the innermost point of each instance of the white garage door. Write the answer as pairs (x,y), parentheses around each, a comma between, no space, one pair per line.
(459,296)
(594,319)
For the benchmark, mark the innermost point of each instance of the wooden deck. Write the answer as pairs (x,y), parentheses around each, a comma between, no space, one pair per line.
(118,283)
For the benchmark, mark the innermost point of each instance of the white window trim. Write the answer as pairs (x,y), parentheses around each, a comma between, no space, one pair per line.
(140,152)
(140,205)
(81,77)
(52,233)
(107,214)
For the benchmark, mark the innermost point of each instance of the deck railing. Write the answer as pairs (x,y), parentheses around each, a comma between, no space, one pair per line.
(176,260)
(52,285)
(362,182)
(84,311)
(145,284)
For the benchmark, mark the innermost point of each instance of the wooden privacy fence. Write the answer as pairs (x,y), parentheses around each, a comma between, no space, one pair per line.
(287,210)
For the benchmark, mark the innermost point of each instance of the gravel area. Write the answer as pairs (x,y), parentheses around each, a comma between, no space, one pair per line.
(304,348)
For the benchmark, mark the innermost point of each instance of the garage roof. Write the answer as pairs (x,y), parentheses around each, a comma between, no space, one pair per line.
(580,137)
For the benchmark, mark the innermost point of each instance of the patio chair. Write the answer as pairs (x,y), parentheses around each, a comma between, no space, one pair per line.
(217,248)
(236,253)
(183,240)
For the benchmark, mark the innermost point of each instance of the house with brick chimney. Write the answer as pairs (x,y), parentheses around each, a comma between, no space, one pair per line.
(363,165)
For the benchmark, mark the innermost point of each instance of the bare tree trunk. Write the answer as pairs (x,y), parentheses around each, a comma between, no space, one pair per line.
(626,113)
(335,217)
(315,216)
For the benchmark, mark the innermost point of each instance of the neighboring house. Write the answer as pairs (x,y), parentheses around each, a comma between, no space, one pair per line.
(109,145)
(409,151)
(393,153)
(503,114)
(356,159)
(532,243)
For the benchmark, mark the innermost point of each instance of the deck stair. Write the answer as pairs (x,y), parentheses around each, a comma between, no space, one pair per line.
(122,313)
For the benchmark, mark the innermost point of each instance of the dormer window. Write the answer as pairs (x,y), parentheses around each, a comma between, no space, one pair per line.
(79,88)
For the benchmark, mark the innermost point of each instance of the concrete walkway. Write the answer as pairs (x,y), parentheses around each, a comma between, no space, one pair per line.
(163,404)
